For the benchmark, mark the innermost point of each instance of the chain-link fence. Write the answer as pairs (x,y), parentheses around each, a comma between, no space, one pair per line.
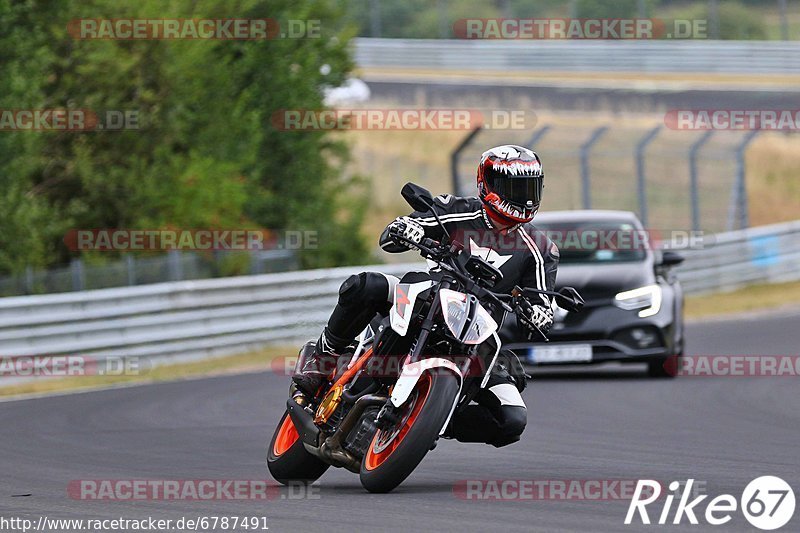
(724,19)
(671,179)
(132,270)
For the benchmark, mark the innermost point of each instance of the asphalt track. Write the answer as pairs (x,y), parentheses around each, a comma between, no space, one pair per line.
(592,425)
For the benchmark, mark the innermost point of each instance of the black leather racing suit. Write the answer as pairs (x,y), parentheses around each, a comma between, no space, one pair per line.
(525,257)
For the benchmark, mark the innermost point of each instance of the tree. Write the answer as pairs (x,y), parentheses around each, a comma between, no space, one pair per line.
(204,153)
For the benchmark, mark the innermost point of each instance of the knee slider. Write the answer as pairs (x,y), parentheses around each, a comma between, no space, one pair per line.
(366,287)
(351,289)
(515,418)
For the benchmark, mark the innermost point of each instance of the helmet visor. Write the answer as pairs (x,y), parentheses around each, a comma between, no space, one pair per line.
(516,189)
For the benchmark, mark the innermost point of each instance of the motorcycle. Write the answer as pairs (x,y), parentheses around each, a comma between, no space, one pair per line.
(442,336)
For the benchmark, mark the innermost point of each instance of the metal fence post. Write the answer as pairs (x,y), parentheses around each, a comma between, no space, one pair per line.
(254,262)
(694,195)
(713,14)
(739,204)
(130,265)
(784,20)
(78,278)
(537,136)
(174,265)
(442,19)
(584,154)
(28,279)
(375,18)
(454,158)
(640,175)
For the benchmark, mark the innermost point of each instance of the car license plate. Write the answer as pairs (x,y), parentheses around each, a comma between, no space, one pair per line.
(560,353)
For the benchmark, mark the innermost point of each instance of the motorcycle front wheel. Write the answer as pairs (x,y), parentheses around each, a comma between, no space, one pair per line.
(396,451)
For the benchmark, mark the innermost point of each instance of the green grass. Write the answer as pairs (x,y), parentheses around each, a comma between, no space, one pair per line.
(247,362)
(752,298)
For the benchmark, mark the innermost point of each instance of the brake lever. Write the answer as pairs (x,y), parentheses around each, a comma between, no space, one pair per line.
(516,293)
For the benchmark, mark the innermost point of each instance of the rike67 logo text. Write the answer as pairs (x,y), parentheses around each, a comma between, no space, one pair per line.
(767,503)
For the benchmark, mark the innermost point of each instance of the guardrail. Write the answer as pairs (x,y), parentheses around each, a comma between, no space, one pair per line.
(763,254)
(743,57)
(189,319)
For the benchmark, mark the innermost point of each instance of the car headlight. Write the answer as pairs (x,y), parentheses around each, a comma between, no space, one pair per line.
(647,298)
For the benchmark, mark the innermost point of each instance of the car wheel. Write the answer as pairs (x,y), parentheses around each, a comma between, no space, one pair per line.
(664,367)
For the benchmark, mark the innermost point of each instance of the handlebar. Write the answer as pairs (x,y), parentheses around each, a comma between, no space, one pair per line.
(435,251)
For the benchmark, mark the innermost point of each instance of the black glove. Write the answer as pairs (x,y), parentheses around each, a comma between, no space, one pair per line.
(536,319)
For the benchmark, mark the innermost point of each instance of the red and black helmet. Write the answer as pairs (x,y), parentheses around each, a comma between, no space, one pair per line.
(510,183)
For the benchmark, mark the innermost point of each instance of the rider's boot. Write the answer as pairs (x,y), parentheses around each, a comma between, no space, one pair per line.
(316,361)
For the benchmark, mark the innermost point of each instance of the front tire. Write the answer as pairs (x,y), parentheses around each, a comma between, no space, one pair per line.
(288,460)
(395,452)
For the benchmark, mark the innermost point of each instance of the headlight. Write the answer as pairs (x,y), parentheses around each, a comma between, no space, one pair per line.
(466,318)
(647,298)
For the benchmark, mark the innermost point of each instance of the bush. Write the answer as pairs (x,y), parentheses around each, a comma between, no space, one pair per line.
(205,154)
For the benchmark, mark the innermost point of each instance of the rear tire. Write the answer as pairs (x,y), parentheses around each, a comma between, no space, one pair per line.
(288,460)
(392,455)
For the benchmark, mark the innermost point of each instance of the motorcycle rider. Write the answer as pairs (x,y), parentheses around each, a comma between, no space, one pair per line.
(510,180)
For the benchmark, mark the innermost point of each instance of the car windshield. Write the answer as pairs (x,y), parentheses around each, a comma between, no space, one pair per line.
(597,241)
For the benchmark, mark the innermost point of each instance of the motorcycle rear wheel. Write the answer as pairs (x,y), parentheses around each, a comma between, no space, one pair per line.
(288,460)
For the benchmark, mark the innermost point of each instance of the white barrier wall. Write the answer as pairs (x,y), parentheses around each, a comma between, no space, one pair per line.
(229,315)
(703,56)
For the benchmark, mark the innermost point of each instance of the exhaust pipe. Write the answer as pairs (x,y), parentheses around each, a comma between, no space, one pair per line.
(353,417)
(332,449)
(303,423)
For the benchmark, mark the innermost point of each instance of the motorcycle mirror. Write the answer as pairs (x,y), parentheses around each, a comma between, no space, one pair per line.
(569,299)
(670,259)
(417,197)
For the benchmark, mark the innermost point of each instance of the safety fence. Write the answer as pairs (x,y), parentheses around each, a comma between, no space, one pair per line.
(191,319)
(641,56)
(131,270)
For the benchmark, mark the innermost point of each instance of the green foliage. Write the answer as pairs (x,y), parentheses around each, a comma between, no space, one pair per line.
(592,9)
(433,19)
(426,19)
(736,20)
(205,153)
